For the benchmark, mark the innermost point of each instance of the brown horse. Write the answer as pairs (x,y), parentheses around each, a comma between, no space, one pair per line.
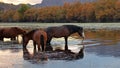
(63,31)
(10,32)
(38,36)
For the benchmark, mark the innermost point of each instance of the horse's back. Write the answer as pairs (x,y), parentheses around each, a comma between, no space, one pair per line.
(38,34)
(11,32)
(57,32)
(7,32)
(18,30)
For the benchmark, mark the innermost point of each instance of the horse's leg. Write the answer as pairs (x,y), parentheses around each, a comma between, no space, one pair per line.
(49,40)
(17,38)
(34,43)
(25,44)
(44,46)
(14,38)
(38,47)
(1,38)
(66,46)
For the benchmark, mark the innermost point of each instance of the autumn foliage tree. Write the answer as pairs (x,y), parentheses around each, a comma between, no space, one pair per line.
(23,8)
(7,16)
(99,11)
(105,10)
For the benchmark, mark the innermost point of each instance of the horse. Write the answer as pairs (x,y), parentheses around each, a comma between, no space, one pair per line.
(11,32)
(38,36)
(64,31)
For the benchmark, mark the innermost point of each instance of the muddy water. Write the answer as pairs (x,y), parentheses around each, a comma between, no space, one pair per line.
(102,50)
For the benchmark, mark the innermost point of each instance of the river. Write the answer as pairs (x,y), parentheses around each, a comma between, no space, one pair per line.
(102,50)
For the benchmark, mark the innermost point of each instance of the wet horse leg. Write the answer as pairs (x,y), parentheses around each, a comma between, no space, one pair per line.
(17,38)
(24,45)
(25,42)
(38,47)
(49,40)
(1,38)
(14,38)
(43,45)
(34,43)
(66,44)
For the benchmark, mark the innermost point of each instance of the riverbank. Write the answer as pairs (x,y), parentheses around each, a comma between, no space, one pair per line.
(113,26)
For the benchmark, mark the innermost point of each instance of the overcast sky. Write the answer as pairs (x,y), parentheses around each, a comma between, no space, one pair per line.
(21,1)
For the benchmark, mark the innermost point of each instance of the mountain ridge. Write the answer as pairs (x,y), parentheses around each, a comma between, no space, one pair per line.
(44,3)
(59,2)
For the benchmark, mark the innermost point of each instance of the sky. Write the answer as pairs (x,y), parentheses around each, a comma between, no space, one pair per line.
(16,2)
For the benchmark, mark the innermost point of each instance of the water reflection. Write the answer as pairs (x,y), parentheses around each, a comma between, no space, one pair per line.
(106,37)
(106,42)
(38,57)
(35,57)
(103,45)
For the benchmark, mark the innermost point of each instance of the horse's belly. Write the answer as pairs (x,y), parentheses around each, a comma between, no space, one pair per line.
(59,35)
(9,35)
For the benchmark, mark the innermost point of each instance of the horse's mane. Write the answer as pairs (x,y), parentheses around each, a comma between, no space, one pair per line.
(31,32)
(73,28)
(70,26)
(18,29)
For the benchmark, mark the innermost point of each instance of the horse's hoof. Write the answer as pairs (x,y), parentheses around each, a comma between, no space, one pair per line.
(49,48)
(67,50)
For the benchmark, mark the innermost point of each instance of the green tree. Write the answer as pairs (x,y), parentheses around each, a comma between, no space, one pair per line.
(22,9)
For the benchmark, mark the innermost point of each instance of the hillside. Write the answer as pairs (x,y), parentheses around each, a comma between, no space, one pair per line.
(59,2)
(5,6)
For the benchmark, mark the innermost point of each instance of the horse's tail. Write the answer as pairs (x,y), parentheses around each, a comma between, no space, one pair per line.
(42,42)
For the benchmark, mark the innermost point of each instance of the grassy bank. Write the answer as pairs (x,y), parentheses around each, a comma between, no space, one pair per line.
(115,26)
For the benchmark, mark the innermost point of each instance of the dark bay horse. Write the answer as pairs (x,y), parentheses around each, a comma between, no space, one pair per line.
(10,32)
(63,31)
(38,36)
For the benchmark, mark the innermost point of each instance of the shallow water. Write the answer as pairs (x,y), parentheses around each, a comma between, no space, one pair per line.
(102,50)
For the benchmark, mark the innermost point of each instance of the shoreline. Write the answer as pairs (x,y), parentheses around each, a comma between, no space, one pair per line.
(108,26)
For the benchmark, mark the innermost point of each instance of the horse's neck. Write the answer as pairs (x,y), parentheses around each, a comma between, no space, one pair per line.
(73,31)
(30,36)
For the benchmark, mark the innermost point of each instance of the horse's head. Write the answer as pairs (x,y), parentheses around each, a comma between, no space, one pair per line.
(81,32)
(25,40)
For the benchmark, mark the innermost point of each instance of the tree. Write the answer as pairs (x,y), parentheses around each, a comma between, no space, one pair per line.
(31,14)
(16,17)
(105,10)
(88,12)
(73,12)
(7,16)
(21,11)
(117,9)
